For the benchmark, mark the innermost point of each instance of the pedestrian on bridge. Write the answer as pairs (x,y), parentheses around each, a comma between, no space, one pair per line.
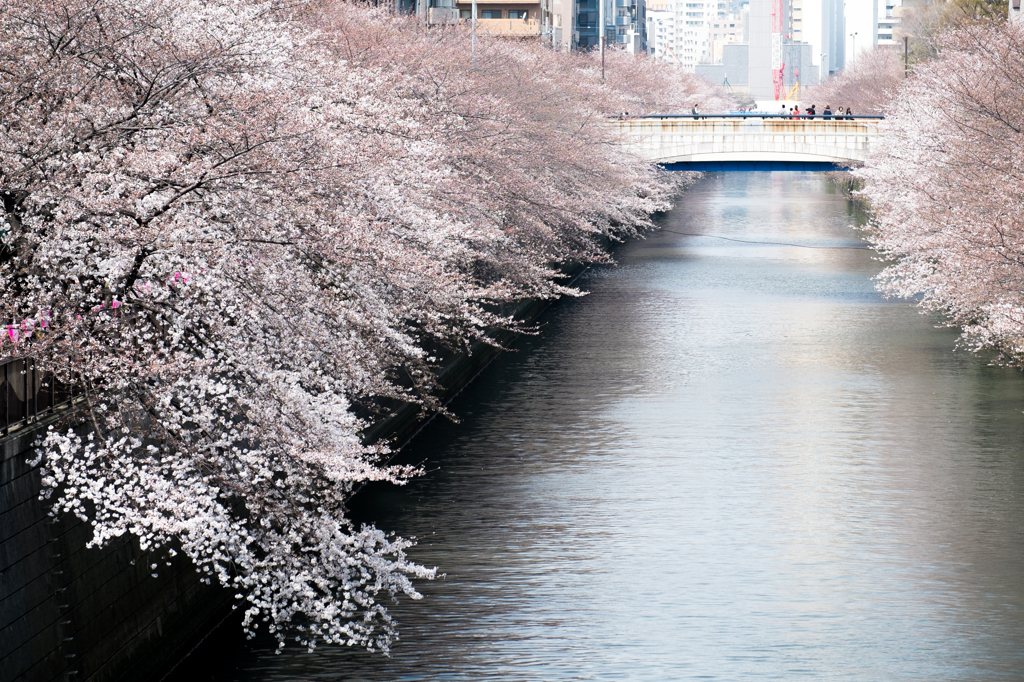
(827,113)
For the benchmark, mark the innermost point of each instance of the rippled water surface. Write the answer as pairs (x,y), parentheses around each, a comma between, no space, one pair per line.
(730,461)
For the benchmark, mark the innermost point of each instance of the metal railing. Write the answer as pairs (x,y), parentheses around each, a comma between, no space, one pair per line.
(759,114)
(28,394)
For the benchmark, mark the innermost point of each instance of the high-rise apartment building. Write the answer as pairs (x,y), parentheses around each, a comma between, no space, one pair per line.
(575,24)
(626,24)
(888,20)
(679,31)
(727,30)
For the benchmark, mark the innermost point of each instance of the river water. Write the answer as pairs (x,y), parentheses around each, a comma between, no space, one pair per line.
(731,461)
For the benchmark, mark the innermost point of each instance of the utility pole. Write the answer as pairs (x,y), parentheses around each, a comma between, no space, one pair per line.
(853,51)
(600,32)
(473,50)
(906,55)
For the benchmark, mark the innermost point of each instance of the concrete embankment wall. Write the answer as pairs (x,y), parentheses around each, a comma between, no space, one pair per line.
(70,613)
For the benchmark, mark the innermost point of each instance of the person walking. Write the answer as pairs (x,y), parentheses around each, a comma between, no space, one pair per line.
(696,111)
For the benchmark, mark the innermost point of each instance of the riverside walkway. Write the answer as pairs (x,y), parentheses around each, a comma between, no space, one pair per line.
(752,141)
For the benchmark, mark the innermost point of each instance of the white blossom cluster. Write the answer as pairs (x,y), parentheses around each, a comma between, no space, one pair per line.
(867,87)
(947,187)
(231,223)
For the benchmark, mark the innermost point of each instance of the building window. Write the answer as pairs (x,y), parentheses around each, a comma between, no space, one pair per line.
(491,14)
(465,14)
(518,13)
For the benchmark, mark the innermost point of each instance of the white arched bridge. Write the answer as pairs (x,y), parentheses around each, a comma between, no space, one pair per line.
(748,141)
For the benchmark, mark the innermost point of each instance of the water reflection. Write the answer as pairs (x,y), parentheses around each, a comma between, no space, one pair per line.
(731,461)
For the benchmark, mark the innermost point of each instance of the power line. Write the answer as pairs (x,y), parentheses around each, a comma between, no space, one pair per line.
(750,241)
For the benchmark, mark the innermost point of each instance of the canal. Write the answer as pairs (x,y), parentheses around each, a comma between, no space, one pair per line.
(733,460)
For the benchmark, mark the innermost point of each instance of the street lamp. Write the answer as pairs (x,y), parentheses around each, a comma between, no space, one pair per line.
(853,51)
(823,74)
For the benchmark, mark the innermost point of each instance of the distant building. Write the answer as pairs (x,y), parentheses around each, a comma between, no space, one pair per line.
(504,18)
(813,40)
(561,24)
(734,71)
(679,31)
(888,21)
(626,25)
(727,30)
(820,24)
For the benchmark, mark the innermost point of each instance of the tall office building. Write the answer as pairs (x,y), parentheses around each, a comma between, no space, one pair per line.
(814,22)
(760,50)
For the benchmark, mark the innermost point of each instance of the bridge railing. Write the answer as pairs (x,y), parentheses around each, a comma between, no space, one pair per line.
(754,114)
(28,393)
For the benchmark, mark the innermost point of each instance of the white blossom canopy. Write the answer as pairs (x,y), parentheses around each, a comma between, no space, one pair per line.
(238,225)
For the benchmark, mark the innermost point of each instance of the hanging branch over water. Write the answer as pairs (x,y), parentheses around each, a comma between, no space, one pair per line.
(230,220)
(947,187)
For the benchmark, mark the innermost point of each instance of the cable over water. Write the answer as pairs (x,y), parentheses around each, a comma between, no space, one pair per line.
(759,241)
(725,463)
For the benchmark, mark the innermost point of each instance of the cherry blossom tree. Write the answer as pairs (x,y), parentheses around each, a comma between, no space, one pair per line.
(230,222)
(867,87)
(946,187)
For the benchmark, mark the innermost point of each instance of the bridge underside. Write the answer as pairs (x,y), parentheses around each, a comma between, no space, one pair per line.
(818,166)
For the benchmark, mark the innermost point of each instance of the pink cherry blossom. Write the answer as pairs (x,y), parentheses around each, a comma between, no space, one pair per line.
(358,194)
